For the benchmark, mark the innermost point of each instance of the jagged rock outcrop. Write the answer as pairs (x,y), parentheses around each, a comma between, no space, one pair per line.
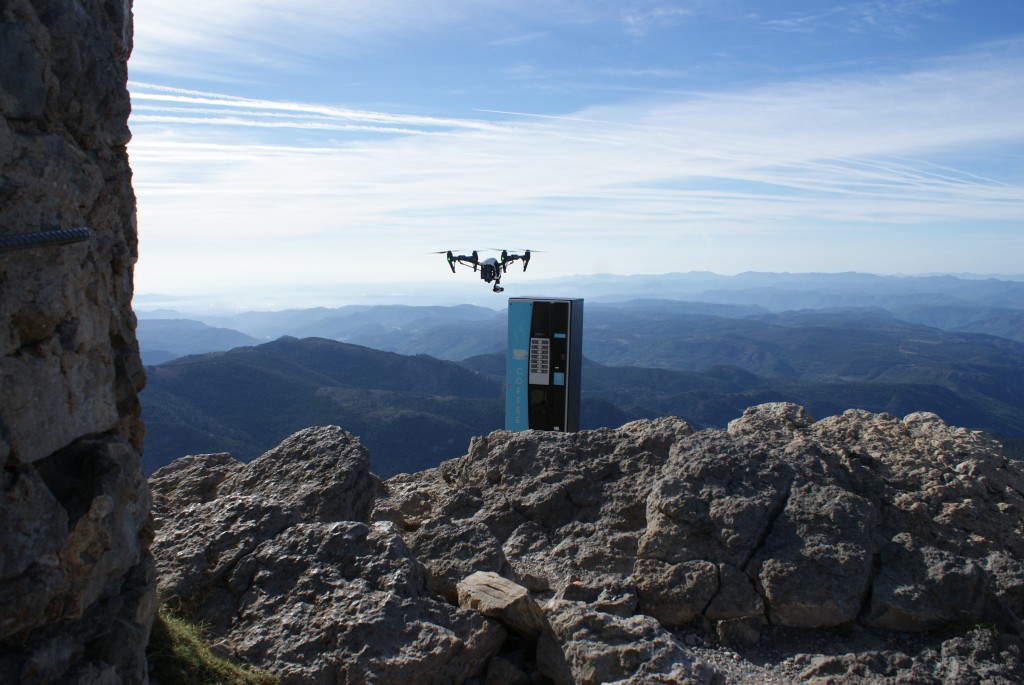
(76,578)
(642,545)
(279,558)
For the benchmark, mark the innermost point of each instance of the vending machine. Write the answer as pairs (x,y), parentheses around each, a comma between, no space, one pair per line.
(545,356)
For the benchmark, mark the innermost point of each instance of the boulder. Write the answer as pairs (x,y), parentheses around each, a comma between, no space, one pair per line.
(610,594)
(586,647)
(276,558)
(560,505)
(906,525)
(322,472)
(501,599)
(451,550)
(344,602)
(675,594)
(739,631)
(860,524)
(815,566)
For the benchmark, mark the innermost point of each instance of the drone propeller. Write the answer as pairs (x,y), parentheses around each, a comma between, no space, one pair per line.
(507,258)
(451,258)
(472,259)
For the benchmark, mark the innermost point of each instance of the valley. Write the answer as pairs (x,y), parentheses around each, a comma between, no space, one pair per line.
(416,383)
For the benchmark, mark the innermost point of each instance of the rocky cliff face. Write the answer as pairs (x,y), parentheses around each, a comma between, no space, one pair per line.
(76,578)
(859,547)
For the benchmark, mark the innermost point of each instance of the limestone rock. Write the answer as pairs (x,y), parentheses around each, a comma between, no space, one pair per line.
(560,505)
(501,599)
(322,472)
(266,559)
(188,481)
(675,594)
(924,587)
(408,499)
(77,582)
(69,363)
(610,594)
(736,597)
(979,656)
(739,631)
(586,647)
(862,524)
(194,478)
(843,518)
(815,566)
(344,602)
(451,550)
(198,549)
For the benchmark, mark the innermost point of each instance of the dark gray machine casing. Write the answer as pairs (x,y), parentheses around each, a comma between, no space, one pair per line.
(545,358)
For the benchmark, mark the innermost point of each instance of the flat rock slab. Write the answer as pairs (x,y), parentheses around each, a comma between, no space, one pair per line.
(499,598)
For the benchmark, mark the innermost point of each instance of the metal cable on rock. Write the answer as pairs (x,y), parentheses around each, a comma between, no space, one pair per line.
(63,236)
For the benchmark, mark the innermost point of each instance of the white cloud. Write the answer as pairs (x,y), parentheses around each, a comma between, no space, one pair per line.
(362,195)
(237,40)
(894,17)
(183,36)
(256,112)
(521,39)
(230,38)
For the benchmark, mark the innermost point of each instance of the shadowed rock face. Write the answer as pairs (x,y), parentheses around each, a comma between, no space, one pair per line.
(76,578)
(279,557)
(622,536)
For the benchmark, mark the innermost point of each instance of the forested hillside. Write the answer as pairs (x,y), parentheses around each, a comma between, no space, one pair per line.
(700,346)
(414,411)
(411,411)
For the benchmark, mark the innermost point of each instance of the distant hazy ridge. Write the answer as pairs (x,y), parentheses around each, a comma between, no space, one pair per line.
(699,360)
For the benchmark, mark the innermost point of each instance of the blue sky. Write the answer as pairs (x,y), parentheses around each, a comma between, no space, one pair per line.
(317,143)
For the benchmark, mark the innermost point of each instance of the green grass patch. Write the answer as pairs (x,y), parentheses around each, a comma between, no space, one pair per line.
(178,655)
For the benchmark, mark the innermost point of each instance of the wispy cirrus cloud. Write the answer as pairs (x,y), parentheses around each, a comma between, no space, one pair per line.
(199,107)
(638,20)
(521,39)
(247,40)
(902,154)
(232,40)
(896,17)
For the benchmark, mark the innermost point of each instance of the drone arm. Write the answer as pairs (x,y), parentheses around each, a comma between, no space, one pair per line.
(463,259)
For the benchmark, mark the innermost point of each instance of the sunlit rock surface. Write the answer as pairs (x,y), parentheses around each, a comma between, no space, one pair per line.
(633,541)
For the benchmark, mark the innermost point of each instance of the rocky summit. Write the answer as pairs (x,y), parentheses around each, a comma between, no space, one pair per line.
(858,548)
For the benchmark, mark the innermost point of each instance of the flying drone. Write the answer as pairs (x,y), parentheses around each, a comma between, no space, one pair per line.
(491,268)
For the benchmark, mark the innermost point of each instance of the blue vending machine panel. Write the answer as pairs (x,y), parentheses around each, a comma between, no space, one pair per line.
(543,364)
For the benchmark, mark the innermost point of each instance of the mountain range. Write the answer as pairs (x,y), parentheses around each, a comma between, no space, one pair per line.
(414,411)
(395,375)
(956,304)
